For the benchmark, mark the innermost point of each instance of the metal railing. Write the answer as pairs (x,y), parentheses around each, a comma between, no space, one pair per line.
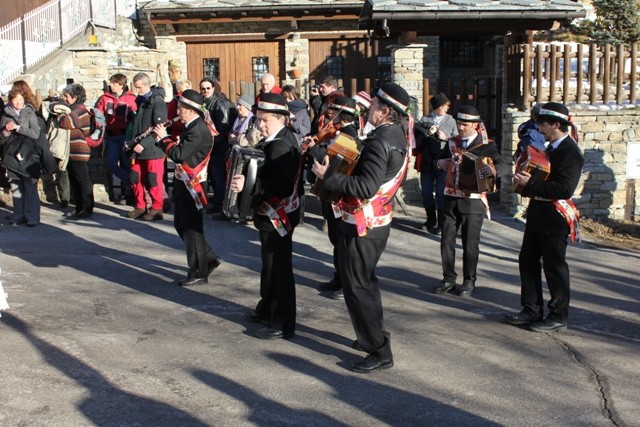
(32,37)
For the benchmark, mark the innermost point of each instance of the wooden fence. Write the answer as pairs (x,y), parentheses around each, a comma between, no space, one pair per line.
(571,73)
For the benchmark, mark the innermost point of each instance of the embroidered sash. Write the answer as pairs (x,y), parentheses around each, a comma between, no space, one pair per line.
(376,211)
(193,179)
(277,209)
(568,210)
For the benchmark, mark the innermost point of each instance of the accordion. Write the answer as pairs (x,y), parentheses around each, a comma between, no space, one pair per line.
(466,173)
(343,152)
(531,160)
(245,161)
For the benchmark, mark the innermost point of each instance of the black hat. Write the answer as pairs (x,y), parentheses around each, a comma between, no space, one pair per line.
(192,99)
(345,104)
(556,112)
(438,100)
(273,103)
(468,113)
(395,97)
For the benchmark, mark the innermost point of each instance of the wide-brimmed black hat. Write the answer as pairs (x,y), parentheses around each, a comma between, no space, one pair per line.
(395,97)
(554,111)
(193,100)
(438,100)
(468,113)
(345,104)
(273,103)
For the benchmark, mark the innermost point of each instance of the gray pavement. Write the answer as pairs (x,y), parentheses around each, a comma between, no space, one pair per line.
(99,334)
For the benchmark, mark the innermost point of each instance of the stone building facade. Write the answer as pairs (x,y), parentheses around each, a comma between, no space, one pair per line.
(605,191)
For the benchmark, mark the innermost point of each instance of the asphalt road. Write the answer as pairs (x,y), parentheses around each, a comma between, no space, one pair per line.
(98,334)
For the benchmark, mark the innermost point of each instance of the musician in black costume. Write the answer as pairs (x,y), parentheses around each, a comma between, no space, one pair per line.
(367,204)
(551,218)
(276,213)
(464,209)
(342,114)
(191,156)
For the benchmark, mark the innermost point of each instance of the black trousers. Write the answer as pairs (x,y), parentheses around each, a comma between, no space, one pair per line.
(357,259)
(188,222)
(81,186)
(552,250)
(277,285)
(471,227)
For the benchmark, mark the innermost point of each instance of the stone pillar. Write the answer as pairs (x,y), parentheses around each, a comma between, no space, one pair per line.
(407,63)
(296,51)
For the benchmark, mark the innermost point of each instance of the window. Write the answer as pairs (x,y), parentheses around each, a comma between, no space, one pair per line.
(457,53)
(259,66)
(334,66)
(383,68)
(211,68)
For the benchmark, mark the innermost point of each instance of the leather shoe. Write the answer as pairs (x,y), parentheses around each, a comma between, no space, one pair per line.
(466,290)
(213,265)
(153,215)
(136,213)
(444,287)
(83,214)
(274,334)
(525,317)
(331,285)
(548,325)
(194,281)
(371,364)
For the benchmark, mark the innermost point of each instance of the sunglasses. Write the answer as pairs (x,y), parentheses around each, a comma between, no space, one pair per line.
(206,88)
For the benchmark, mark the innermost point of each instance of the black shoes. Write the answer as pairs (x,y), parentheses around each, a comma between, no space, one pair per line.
(371,364)
(213,265)
(274,334)
(466,290)
(548,325)
(193,282)
(525,317)
(83,214)
(444,287)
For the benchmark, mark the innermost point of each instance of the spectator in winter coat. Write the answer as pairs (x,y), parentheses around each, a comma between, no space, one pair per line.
(118,106)
(301,123)
(20,130)
(79,123)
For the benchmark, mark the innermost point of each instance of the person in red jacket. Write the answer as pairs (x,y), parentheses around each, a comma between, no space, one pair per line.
(268,85)
(118,106)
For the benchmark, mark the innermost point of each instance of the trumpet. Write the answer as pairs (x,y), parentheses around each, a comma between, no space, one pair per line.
(128,145)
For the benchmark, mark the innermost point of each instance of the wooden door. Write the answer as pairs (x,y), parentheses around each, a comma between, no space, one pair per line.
(239,63)
(346,59)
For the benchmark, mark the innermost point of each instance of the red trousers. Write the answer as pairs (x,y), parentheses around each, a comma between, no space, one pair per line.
(148,174)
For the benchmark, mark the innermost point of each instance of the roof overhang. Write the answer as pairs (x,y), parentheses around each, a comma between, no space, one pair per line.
(463,16)
(212,11)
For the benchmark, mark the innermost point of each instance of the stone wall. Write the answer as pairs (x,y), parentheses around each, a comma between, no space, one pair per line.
(604,189)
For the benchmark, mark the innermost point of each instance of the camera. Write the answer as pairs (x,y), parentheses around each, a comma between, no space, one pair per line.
(315,88)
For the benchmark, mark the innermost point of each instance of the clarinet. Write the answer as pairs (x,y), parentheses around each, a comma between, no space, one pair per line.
(128,145)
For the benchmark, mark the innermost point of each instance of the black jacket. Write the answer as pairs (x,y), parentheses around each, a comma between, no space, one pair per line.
(277,177)
(195,144)
(223,113)
(566,167)
(152,110)
(381,158)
